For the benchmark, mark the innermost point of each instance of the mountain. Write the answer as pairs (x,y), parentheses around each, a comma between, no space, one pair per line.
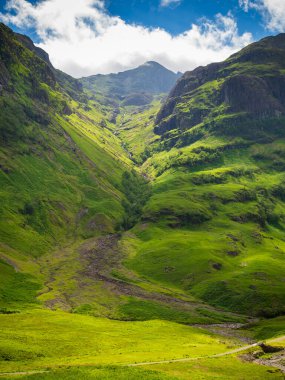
(60,170)
(122,228)
(133,87)
(217,165)
(248,86)
(70,191)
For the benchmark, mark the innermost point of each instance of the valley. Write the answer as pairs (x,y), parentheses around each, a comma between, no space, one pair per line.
(140,225)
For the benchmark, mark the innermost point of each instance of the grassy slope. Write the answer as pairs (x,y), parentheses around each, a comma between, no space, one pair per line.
(48,340)
(214,224)
(60,171)
(44,338)
(61,184)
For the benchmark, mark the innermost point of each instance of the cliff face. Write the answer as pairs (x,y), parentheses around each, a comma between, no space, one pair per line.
(13,53)
(249,85)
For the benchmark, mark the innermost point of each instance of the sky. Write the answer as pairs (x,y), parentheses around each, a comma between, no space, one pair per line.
(86,37)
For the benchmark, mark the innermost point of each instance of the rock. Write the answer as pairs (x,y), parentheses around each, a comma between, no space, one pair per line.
(217,266)
(267,349)
(233,253)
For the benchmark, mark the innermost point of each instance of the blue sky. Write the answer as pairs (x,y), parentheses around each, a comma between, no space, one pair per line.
(179,17)
(86,37)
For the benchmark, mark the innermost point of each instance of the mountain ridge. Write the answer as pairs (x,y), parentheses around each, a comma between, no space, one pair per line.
(128,228)
(233,83)
(149,79)
(189,152)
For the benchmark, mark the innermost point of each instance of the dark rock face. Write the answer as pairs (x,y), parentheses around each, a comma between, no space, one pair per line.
(250,84)
(196,78)
(28,43)
(262,97)
(269,349)
(12,47)
(72,86)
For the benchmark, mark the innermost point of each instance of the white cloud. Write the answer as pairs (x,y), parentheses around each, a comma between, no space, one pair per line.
(244,4)
(83,39)
(273,12)
(167,3)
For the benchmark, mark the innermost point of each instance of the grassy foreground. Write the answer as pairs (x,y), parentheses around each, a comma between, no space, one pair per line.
(39,339)
(230,368)
(70,346)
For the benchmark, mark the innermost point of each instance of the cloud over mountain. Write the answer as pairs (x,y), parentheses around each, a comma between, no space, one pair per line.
(82,38)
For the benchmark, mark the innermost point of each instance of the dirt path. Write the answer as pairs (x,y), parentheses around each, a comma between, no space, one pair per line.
(235,351)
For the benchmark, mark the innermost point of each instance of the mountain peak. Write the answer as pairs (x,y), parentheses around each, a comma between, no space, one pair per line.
(150,78)
(153,63)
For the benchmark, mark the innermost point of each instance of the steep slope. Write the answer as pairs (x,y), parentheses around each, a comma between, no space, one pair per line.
(68,191)
(82,232)
(133,87)
(60,170)
(214,225)
(208,226)
(227,96)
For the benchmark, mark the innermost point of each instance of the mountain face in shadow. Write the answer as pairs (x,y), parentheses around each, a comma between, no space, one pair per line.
(134,86)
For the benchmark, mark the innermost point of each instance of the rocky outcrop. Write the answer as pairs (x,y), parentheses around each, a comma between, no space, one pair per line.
(250,84)
(261,97)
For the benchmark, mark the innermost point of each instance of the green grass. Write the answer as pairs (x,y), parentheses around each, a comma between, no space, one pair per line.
(270,328)
(99,373)
(215,231)
(17,290)
(72,346)
(208,229)
(218,368)
(222,368)
(135,129)
(40,339)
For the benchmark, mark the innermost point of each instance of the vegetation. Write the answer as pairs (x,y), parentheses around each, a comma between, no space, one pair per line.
(137,192)
(124,223)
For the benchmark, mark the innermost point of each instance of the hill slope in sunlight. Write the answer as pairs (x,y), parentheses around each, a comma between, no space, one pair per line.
(134,231)
(209,224)
(214,225)
(60,169)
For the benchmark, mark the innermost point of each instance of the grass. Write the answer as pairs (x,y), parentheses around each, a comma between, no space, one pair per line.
(218,368)
(222,368)
(40,339)
(72,346)
(17,290)
(100,373)
(208,226)
(216,231)
(270,328)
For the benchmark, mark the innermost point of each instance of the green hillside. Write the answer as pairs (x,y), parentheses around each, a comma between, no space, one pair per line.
(142,231)
(60,170)
(214,225)
(69,192)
